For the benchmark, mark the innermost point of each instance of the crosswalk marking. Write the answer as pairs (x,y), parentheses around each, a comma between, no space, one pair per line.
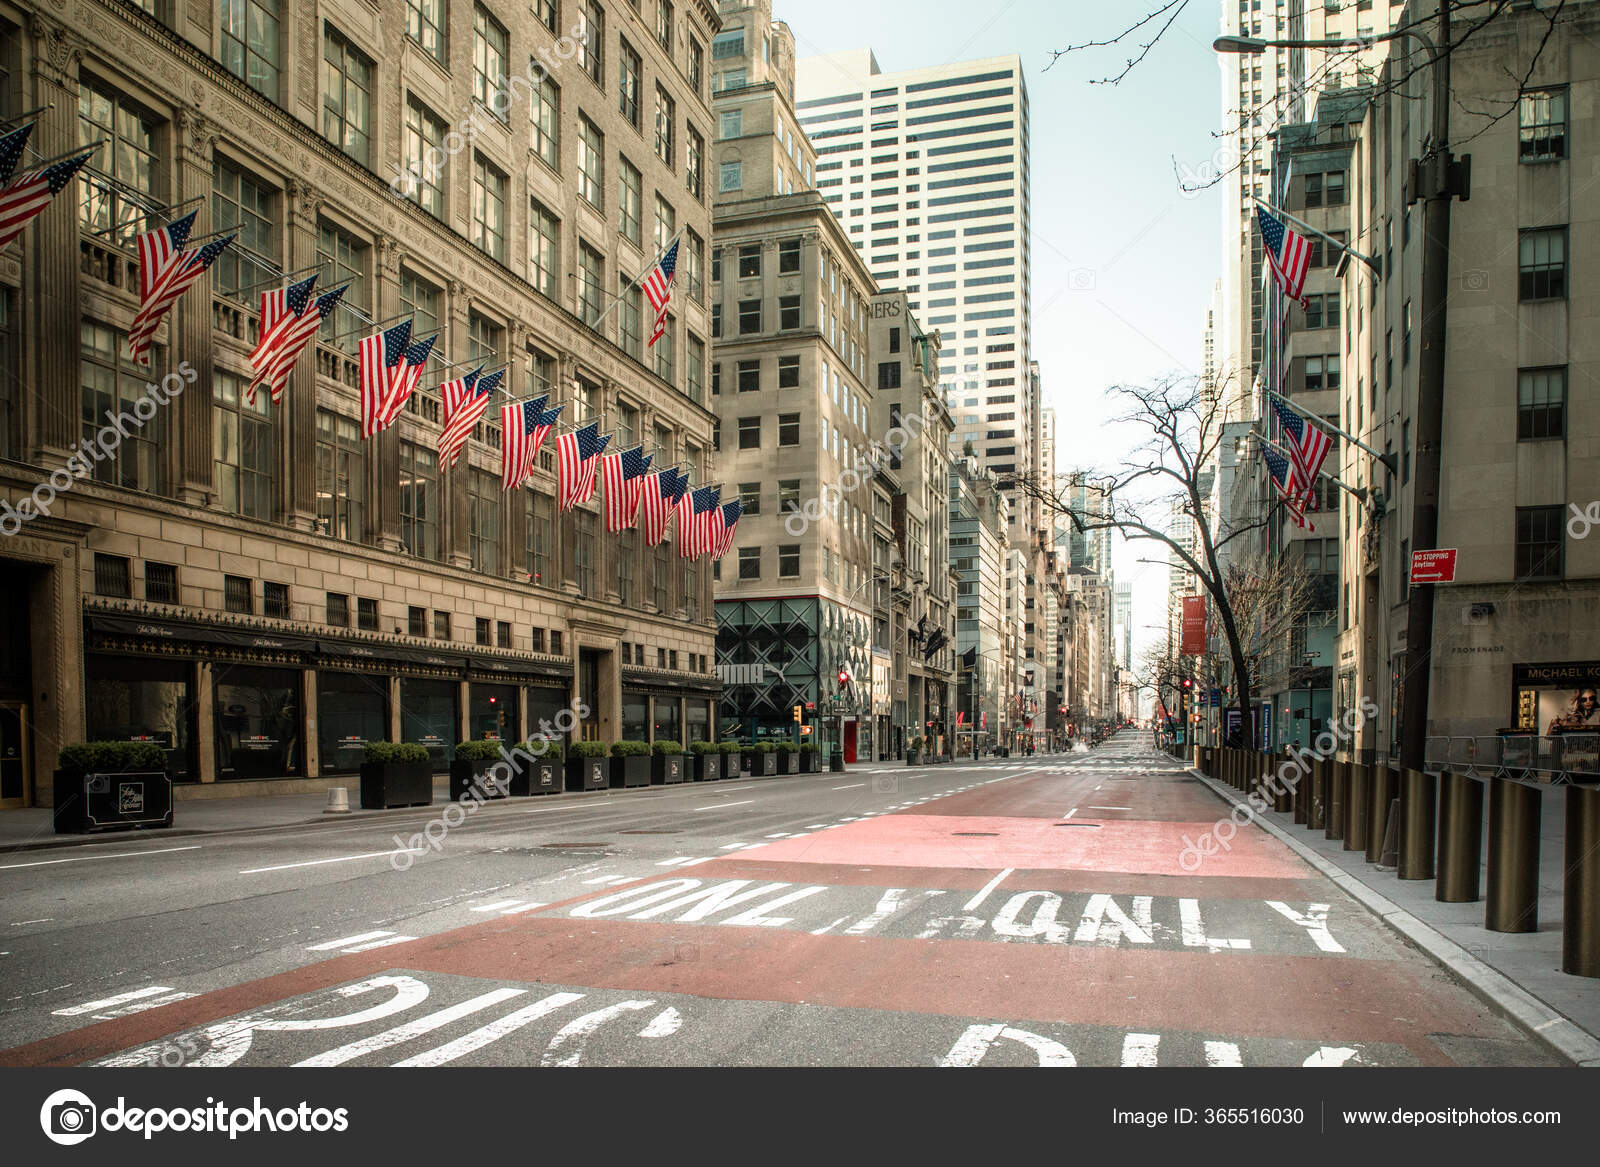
(361,942)
(495,907)
(509,907)
(134,1001)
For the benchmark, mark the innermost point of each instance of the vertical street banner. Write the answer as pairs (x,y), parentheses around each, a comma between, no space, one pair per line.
(1194,626)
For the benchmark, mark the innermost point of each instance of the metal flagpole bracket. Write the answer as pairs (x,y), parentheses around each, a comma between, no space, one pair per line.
(1377,268)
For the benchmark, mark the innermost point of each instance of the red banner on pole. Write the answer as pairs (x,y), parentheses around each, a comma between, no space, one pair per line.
(1194,626)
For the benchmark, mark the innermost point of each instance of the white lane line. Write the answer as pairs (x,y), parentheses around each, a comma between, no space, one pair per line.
(110,1002)
(330,945)
(779,835)
(720,805)
(339,859)
(675,860)
(44,920)
(697,862)
(730,847)
(397,939)
(983,893)
(815,826)
(113,855)
(495,907)
(404,1033)
(1070,813)
(1111,808)
(826,928)
(493,1032)
(853,786)
(141,1006)
(527,907)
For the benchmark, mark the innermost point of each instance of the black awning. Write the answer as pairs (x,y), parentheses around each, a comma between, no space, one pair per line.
(186,631)
(647,681)
(511,670)
(352,651)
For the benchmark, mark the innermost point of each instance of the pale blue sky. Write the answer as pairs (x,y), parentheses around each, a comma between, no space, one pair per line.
(1123,261)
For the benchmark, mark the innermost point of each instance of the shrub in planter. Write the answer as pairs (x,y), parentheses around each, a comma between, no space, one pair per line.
(765,759)
(396,774)
(808,759)
(111,784)
(667,763)
(707,761)
(538,767)
(733,759)
(630,763)
(914,751)
(587,768)
(478,766)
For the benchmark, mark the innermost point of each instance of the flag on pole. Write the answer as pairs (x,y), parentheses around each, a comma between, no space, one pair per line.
(407,378)
(576,455)
(383,363)
(657,285)
(30,192)
(465,399)
(291,340)
(1308,444)
(524,425)
(714,526)
(730,522)
(1283,477)
(181,274)
(622,474)
(1288,254)
(658,502)
(278,306)
(12,145)
(693,520)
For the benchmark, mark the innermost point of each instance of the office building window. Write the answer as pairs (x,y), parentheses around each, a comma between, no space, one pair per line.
(591,163)
(591,43)
(1542,120)
(788,429)
(694,266)
(666,123)
(544,107)
(694,369)
(417,621)
(694,163)
(425,24)
(337,612)
(583,551)
(544,249)
(629,311)
(591,293)
(367,615)
(341,477)
(441,625)
(730,177)
(346,96)
(244,447)
(1541,403)
(541,536)
(749,433)
(749,563)
(789,561)
(422,145)
(112,576)
(110,382)
(1539,546)
(419,500)
(788,256)
(242,204)
(275,600)
(788,312)
(749,260)
(630,201)
(663,348)
(342,259)
(1542,264)
(629,70)
(238,594)
(161,583)
(788,372)
(251,41)
(749,376)
(488,208)
(483,522)
(749,316)
(490,52)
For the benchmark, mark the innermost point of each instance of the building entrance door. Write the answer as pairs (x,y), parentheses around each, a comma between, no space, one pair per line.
(849,741)
(13,754)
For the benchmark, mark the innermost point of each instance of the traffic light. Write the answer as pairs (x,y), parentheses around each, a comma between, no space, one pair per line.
(844,678)
(1188,683)
(798,711)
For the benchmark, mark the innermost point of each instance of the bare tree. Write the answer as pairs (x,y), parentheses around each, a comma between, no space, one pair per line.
(1167,473)
(1271,595)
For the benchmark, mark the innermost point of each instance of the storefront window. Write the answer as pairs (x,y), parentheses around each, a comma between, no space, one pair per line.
(543,705)
(635,717)
(493,713)
(128,699)
(352,710)
(668,726)
(428,716)
(258,722)
(699,720)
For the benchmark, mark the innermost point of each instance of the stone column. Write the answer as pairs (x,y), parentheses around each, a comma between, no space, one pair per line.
(205,737)
(394,708)
(309,737)
(50,270)
(299,417)
(189,325)
(464,713)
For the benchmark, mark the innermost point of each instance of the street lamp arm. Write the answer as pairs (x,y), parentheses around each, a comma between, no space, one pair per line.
(1253,46)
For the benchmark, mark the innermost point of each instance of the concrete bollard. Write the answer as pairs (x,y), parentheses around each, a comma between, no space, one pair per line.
(338,801)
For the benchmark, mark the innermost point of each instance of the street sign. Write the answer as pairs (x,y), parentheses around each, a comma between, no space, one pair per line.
(1436,566)
(811,706)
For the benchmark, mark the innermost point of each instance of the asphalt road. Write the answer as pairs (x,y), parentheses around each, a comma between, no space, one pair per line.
(1038,911)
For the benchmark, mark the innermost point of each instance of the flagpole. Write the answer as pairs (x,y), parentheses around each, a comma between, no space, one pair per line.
(368,322)
(275,279)
(110,186)
(634,282)
(1387,459)
(1376,267)
(27,113)
(1360,492)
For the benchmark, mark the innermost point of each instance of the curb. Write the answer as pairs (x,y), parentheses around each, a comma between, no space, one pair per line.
(1544,1024)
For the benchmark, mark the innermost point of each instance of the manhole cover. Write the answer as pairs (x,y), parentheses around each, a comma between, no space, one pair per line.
(978,834)
(568,846)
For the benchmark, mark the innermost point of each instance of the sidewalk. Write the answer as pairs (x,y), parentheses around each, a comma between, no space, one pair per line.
(32,828)
(1518,973)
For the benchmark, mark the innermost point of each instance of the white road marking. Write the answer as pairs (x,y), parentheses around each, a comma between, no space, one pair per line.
(853,786)
(730,846)
(971,1046)
(1139,1049)
(983,893)
(338,859)
(1194,931)
(816,826)
(493,1032)
(1111,808)
(720,805)
(1315,922)
(495,907)
(663,1024)
(1070,813)
(45,920)
(582,1029)
(120,999)
(113,855)
(779,835)
(1330,1055)
(675,860)
(404,1033)
(360,937)
(527,907)
(826,928)
(1222,1053)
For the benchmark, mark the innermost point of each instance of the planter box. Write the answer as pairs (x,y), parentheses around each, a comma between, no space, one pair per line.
(788,763)
(387,784)
(540,776)
(99,802)
(587,773)
(630,771)
(808,761)
(706,767)
(666,769)
(913,758)
(465,775)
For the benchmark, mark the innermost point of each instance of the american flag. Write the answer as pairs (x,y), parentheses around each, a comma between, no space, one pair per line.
(575,457)
(291,340)
(657,285)
(524,425)
(1283,477)
(1308,444)
(730,522)
(658,502)
(278,306)
(11,147)
(159,253)
(1288,254)
(694,516)
(464,402)
(406,380)
(622,475)
(30,192)
(181,275)
(383,364)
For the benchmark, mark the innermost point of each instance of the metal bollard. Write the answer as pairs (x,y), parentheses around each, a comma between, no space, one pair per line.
(1319,794)
(1460,838)
(1357,806)
(1304,792)
(1385,788)
(1419,796)
(1580,920)
(1336,782)
(1512,904)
